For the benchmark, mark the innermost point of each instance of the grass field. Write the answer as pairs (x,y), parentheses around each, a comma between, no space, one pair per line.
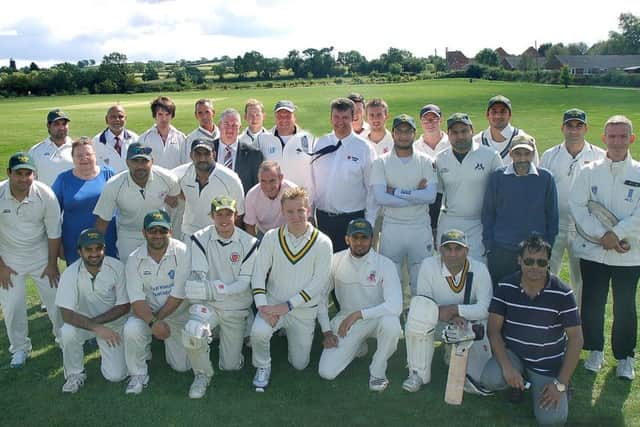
(31,396)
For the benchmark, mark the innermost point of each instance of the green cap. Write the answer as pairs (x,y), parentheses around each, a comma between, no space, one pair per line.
(499,99)
(454,236)
(458,118)
(574,114)
(21,160)
(361,226)
(157,218)
(223,202)
(404,118)
(90,236)
(57,114)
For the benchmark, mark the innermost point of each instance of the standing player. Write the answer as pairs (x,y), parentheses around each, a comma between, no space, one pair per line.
(500,133)
(360,127)
(289,278)
(155,275)
(565,161)
(433,139)
(207,129)
(404,182)
(370,296)
(167,142)
(29,244)
(94,303)
(140,189)
(463,173)
(378,135)
(454,293)
(53,155)
(254,116)
(111,144)
(222,258)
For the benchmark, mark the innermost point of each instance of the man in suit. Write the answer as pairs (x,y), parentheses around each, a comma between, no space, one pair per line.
(241,157)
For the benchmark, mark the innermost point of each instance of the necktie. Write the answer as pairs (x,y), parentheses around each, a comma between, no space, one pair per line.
(325,150)
(118,144)
(228,160)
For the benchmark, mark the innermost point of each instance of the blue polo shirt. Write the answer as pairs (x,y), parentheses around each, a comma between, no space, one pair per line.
(534,329)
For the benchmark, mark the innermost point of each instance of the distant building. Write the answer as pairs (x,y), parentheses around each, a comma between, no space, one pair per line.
(456,60)
(595,64)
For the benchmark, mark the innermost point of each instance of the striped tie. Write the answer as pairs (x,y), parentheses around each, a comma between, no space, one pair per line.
(117,146)
(228,160)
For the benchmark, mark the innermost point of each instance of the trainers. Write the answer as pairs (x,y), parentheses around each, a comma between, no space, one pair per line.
(261,379)
(363,350)
(413,382)
(625,369)
(137,383)
(594,361)
(73,383)
(473,387)
(18,359)
(199,386)
(378,384)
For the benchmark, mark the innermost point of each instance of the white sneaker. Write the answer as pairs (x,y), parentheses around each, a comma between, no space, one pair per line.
(261,379)
(473,387)
(73,383)
(199,386)
(18,359)
(137,383)
(625,369)
(413,382)
(363,350)
(594,361)
(378,384)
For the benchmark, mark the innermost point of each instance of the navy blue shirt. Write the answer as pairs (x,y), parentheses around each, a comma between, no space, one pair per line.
(534,329)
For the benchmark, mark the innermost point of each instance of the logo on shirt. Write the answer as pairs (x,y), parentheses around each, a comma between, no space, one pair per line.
(146,273)
(171,274)
(235,257)
(272,150)
(629,197)
(6,211)
(594,189)
(444,170)
(353,158)
(385,150)
(371,278)
(479,167)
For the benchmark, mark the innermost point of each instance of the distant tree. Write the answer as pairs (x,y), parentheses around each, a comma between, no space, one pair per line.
(320,62)
(33,66)
(352,59)
(439,63)
(195,74)
(526,63)
(556,49)
(395,68)
(488,57)
(150,72)
(630,25)
(83,63)
(565,76)
(12,64)
(543,48)
(580,48)
(114,67)
(220,69)
(475,70)
(295,63)
(270,67)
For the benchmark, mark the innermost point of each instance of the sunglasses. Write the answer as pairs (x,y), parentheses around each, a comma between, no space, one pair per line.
(540,262)
(141,150)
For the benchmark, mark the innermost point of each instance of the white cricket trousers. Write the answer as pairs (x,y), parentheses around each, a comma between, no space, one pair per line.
(128,242)
(385,329)
(112,362)
(14,308)
(137,345)
(414,241)
(299,325)
(563,242)
(472,228)
(233,324)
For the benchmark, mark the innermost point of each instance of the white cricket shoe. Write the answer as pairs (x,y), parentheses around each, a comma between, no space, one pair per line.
(413,382)
(137,383)
(261,379)
(594,361)
(18,359)
(378,384)
(73,383)
(199,386)
(473,387)
(625,369)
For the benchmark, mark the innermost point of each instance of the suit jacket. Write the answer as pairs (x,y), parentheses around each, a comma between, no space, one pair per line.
(248,160)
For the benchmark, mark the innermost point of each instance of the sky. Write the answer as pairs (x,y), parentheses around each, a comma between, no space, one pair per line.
(167,30)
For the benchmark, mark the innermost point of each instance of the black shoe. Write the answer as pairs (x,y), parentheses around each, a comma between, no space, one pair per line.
(516,395)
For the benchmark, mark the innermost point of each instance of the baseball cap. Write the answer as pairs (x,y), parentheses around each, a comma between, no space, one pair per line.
(499,99)
(57,114)
(359,225)
(137,150)
(223,202)
(403,118)
(21,160)
(285,105)
(523,141)
(202,143)
(574,114)
(454,236)
(430,108)
(458,118)
(90,236)
(157,218)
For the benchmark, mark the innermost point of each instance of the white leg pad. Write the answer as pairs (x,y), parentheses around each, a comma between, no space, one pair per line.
(419,335)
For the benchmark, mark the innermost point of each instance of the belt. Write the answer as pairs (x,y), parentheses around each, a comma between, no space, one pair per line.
(336,214)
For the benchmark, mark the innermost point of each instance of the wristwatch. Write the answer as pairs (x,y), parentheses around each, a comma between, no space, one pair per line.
(559,386)
(152,321)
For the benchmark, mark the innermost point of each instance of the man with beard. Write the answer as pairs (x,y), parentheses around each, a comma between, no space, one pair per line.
(520,199)
(111,144)
(53,155)
(141,188)
(500,133)
(463,174)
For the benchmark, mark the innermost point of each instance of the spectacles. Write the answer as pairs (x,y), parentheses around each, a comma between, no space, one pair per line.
(540,262)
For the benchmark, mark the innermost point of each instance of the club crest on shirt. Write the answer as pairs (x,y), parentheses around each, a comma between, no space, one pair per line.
(272,150)
(444,170)
(479,167)
(371,278)
(235,257)
(629,197)
(594,189)
(353,158)
(385,150)
(171,274)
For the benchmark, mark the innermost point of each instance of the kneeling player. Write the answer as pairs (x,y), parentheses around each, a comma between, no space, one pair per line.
(156,272)
(222,258)
(93,301)
(454,292)
(370,296)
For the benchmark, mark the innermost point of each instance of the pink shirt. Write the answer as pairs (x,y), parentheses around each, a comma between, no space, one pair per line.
(262,211)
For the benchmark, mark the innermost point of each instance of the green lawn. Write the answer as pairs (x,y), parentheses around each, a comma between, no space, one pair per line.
(31,396)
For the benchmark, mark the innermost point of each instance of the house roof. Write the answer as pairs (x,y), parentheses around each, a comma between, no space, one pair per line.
(603,62)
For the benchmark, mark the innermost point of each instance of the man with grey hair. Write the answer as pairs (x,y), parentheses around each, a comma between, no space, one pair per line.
(111,144)
(238,156)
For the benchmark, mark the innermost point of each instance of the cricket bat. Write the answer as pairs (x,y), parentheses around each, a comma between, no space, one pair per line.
(457,372)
